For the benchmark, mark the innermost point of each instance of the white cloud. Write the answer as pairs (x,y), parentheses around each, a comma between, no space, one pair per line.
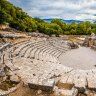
(85,16)
(66,9)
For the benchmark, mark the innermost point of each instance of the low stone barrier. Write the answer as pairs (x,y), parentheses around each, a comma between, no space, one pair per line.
(90,42)
(72,45)
(48,86)
(2,52)
(4,47)
(11,36)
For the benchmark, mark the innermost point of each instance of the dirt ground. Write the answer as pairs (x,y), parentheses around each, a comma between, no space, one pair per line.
(26,91)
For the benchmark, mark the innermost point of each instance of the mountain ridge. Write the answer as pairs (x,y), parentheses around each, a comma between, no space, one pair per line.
(64,20)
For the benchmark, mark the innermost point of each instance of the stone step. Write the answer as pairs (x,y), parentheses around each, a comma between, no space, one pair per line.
(91,79)
(47,85)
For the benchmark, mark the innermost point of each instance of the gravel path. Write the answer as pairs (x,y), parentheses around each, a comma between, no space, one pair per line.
(81,58)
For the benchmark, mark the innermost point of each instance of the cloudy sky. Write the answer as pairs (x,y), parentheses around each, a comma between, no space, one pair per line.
(66,9)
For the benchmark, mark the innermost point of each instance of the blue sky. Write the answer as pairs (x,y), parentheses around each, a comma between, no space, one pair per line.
(66,9)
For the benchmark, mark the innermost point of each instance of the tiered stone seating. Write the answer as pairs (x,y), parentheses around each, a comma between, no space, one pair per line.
(18,50)
(5,60)
(37,72)
(59,44)
(38,69)
(34,48)
(25,45)
(38,66)
(3,49)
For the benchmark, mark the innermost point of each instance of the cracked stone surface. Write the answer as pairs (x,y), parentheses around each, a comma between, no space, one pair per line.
(38,62)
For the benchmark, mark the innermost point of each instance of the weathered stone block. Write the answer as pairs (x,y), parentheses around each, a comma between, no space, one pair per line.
(46,86)
(14,79)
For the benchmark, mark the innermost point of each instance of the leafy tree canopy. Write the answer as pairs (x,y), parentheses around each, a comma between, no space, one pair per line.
(20,20)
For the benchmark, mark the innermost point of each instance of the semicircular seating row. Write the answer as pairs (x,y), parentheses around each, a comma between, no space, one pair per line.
(39,59)
(36,62)
(35,49)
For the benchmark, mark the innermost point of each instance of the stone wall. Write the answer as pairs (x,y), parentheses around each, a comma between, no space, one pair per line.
(90,42)
(2,65)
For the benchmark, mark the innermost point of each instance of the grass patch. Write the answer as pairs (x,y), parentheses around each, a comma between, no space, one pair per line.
(66,86)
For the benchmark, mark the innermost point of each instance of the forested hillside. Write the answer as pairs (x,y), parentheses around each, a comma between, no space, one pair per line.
(20,20)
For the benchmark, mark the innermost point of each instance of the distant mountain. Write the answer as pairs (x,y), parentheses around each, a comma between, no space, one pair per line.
(66,21)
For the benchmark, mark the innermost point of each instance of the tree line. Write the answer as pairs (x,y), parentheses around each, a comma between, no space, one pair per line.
(20,20)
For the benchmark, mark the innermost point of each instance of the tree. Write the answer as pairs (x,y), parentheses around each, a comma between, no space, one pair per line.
(12,12)
(19,20)
(60,23)
(2,16)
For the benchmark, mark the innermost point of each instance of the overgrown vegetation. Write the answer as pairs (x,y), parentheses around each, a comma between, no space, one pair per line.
(23,22)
